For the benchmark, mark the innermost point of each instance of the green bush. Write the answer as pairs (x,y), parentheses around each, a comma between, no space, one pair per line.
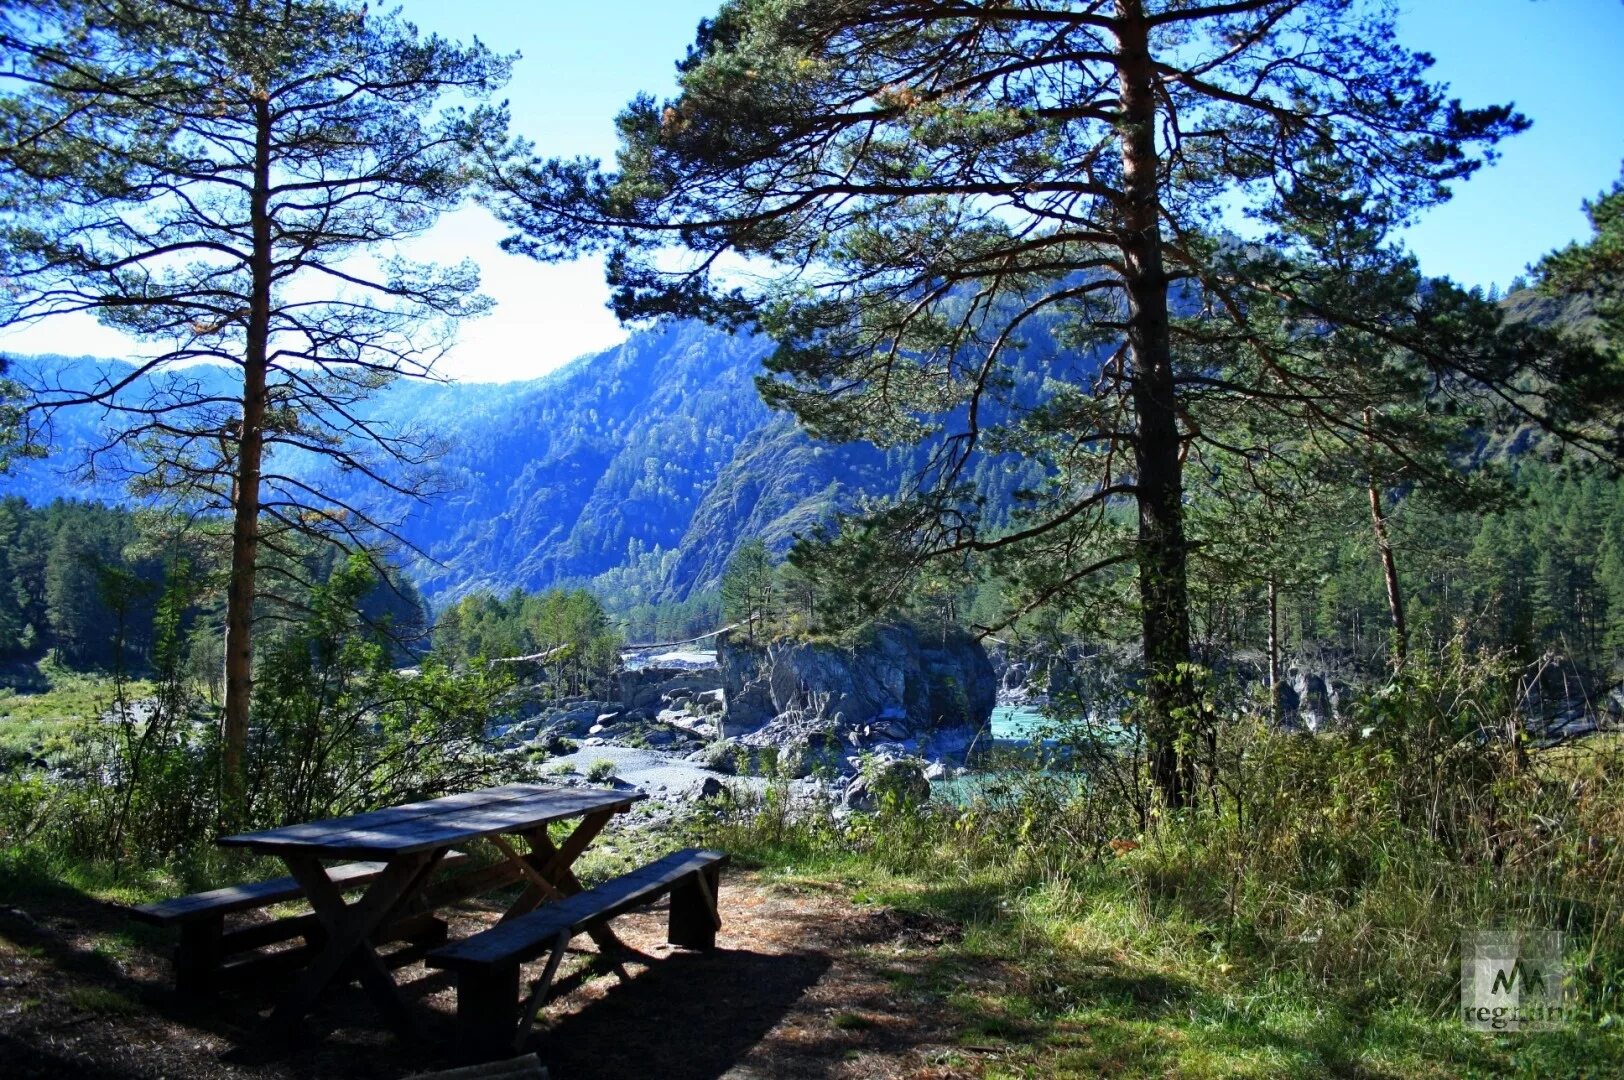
(337,729)
(25,804)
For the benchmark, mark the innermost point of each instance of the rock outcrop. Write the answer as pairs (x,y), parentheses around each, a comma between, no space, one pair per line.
(654,687)
(746,696)
(814,706)
(896,680)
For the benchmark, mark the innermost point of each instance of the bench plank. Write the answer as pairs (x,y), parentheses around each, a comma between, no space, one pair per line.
(247,897)
(258,894)
(528,936)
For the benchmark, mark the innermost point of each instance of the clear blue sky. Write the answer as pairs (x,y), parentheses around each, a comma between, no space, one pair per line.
(1560,61)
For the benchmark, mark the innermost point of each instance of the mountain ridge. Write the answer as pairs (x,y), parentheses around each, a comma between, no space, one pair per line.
(656,454)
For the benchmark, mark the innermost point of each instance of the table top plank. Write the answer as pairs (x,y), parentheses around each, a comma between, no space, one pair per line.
(405,811)
(435,823)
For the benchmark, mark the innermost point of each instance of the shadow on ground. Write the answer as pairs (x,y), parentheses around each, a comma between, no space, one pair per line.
(665,1021)
(799,986)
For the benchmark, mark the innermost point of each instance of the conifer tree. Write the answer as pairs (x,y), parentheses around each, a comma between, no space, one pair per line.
(11,418)
(1186,194)
(1594,269)
(748,586)
(217,178)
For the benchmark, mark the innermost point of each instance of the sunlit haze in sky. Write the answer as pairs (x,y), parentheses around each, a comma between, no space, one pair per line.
(1558,60)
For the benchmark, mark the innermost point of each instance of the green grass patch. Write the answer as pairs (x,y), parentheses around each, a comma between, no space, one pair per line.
(100,1001)
(31,878)
(1206,950)
(41,704)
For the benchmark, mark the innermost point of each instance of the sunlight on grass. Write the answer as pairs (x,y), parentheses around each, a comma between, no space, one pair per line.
(100,1001)
(1319,956)
(40,708)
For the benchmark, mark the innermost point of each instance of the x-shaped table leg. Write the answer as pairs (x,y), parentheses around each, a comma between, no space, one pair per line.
(553,863)
(348,927)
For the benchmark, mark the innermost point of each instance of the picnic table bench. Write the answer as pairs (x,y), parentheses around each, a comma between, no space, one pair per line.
(209,956)
(489,1019)
(399,853)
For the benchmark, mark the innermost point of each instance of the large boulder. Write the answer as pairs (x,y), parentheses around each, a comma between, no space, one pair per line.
(893,782)
(574,718)
(746,696)
(1313,699)
(894,676)
(649,688)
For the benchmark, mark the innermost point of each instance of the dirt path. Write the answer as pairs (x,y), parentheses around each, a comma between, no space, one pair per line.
(801,985)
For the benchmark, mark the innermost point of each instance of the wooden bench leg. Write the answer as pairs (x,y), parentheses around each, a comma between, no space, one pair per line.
(538,992)
(199,956)
(487,1011)
(695,917)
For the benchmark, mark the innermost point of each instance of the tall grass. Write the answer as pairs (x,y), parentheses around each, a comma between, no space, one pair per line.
(1333,868)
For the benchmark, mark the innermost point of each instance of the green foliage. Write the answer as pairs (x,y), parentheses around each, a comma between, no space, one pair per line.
(749,587)
(677,620)
(81,581)
(601,771)
(55,562)
(564,635)
(1334,870)
(141,774)
(338,729)
(12,434)
(24,805)
(1594,269)
(1540,573)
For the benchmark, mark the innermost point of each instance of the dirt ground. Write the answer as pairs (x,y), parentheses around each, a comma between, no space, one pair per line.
(801,984)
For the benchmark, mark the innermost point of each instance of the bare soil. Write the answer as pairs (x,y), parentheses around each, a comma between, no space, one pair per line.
(801,984)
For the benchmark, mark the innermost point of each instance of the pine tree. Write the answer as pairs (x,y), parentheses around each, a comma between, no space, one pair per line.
(202,175)
(748,590)
(12,436)
(937,183)
(1594,269)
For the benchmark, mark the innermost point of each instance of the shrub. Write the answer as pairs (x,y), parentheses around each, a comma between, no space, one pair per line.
(24,808)
(337,729)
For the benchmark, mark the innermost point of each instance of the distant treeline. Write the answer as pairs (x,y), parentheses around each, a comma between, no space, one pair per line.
(70,574)
(81,582)
(1542,571)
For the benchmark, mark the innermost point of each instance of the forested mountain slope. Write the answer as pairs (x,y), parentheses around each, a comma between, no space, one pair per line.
(654,459)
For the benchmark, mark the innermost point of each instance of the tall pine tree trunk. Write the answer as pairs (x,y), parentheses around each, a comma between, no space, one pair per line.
(1384,549)
(1395,599)
(1274,652)
(1163,553)
(245,489)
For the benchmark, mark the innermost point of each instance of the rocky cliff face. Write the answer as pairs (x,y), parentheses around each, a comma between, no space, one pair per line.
(895,678)
(819,704)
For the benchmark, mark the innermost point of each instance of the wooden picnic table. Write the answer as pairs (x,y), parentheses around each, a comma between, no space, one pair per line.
(411,841)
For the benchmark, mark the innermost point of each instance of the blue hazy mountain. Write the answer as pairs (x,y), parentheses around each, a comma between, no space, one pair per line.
(652,460)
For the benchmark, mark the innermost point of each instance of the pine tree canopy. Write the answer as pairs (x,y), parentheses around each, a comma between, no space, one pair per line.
(1199,200)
